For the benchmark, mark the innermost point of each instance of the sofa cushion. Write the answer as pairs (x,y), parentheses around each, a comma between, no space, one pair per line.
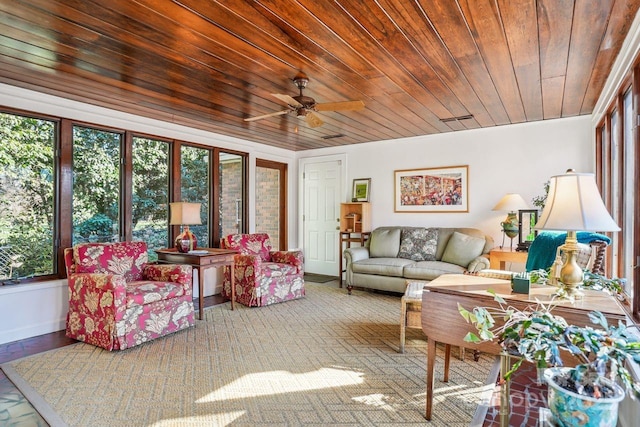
(384,243)
(462,249)
(419,244)
(430,270)
(381,266)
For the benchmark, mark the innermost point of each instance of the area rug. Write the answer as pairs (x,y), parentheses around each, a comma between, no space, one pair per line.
(318,278)
(328,359)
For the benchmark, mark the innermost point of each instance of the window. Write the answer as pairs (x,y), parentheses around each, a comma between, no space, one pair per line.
(271,194)
(27,183)
(617,162)
(231,190)
(96,185)
(150,195)
(628,191)
(194,187)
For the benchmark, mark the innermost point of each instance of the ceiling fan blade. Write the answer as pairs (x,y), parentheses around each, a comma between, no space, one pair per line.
(264,116)
(340,106)
(313,120)
(286,98)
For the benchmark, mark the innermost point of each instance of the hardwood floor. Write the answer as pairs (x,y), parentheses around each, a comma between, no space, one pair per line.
(15,410)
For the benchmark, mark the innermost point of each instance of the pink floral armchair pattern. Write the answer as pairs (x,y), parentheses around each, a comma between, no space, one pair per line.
(118,300)
(262,276)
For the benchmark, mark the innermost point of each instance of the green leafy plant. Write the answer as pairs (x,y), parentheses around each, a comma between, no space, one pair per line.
(593,281)
(537,335)
(540,201)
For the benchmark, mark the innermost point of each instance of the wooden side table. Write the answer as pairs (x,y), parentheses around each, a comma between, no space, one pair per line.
(348,237)
(499,257)
(213,257)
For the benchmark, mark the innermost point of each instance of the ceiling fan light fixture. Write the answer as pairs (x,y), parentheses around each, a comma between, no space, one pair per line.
(301,80)
(305,106)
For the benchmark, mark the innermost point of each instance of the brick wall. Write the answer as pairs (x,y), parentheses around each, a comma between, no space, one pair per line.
(268,203)
(231,196)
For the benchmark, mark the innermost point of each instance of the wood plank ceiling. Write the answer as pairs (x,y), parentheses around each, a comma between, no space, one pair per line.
(417,64)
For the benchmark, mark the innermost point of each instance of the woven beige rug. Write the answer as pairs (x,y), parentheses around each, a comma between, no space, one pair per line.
(326,360)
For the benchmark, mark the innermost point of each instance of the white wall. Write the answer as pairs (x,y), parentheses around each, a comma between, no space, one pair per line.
(506,159)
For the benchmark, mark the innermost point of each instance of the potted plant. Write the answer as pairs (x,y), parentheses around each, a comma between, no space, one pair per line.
(586,395)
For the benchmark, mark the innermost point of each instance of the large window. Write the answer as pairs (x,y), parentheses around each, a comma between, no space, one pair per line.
(63,183)
(150,180)
(96,185)
(271,194)
(231,189)
(194,187)
(27,182)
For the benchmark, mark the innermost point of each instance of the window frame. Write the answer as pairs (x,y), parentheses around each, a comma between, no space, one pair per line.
(610,160)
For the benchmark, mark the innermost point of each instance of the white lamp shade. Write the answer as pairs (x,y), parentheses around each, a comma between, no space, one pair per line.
(183,213)
(574,204)
(511,202)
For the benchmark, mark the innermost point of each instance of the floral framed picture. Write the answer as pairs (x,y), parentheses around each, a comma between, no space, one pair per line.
(361,188)
(444,189)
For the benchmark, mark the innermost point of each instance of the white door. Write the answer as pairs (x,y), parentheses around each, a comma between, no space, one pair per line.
(322,190)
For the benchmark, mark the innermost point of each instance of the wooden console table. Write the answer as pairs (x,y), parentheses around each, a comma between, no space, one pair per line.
(213,258)
(441,321)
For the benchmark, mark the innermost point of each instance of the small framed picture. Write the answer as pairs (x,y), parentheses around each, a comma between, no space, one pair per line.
(361,188)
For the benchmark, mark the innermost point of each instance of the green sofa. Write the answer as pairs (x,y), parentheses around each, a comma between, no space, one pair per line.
(392,255)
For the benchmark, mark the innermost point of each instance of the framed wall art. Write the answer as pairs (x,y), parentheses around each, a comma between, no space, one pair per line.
(361,188)
(444,189)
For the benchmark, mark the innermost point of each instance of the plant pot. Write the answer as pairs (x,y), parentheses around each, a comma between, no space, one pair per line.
(571,409)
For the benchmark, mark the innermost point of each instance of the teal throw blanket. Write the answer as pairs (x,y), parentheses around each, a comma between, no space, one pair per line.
(542,251)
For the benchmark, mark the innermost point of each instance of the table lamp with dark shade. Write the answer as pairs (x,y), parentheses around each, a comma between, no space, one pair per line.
(185,214)
(510,203)
(574,204)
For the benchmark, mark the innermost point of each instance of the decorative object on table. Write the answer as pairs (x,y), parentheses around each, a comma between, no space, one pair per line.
(521,283)
(586,395)
(185,214)
(574,204)
(361,188)
(510,203)
(442,189)
(527,219)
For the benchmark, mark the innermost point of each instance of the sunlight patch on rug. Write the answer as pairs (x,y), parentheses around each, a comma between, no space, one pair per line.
(278,382)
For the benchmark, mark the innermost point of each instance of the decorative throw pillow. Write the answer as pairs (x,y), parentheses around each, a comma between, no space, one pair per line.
(419,244)
(384,242)
(462,249)
(124,258)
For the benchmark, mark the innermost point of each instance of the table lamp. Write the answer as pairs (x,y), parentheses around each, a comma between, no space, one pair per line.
(574,204)
(185,214)
(510,203)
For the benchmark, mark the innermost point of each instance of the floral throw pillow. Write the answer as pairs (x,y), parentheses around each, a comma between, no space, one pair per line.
(418,244)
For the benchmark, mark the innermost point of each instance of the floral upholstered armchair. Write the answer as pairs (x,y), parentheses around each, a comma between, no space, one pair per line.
(262,276)
(118,300)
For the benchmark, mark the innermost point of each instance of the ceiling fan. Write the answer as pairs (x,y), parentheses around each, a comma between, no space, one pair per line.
(304,106)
